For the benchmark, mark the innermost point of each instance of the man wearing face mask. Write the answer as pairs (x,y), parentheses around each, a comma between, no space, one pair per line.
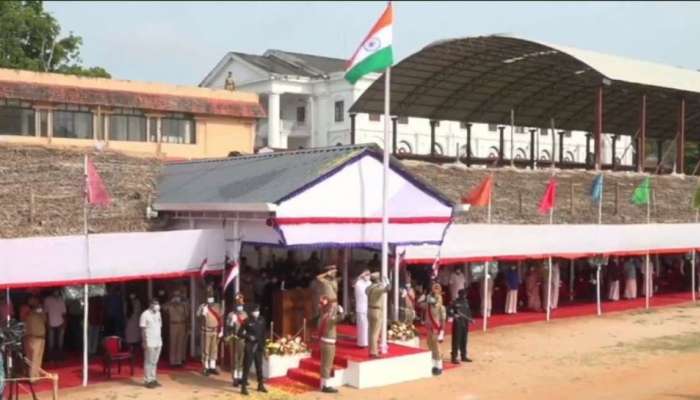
(35,338)
(212,331)
(253,333)
(234,322)
(409,301)
(375,300)
(151,325)
(435,317)
(178,319)
(361,286)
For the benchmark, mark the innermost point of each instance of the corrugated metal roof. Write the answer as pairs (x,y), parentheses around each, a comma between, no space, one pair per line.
(262,178)
(480,79)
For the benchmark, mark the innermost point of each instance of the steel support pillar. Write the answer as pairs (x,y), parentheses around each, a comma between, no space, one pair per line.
(469,144)
(598,133)
(433,124)
(641,141)
(680,140)
(532,148)
(614,152)
(501,130)
(352,128)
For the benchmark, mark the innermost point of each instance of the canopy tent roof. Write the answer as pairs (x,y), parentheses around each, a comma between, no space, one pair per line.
(318,197)
(480,79)
(483,242)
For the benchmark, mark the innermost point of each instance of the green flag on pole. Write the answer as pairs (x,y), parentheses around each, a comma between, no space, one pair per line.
(642,194)
(696,198)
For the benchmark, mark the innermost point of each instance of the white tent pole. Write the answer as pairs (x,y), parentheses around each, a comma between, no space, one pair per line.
(87,265)
(484,299)
(597,290)
(193,295)
(385,200)
(549,288)
(396,284)
(647,280)
(239,245)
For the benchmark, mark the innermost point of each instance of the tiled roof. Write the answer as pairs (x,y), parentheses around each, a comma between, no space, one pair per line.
(288,63)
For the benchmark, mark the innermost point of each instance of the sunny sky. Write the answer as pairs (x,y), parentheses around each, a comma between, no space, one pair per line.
(180,42)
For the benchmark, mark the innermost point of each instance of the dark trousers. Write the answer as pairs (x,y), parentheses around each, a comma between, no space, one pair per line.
(460,334)
(253,353)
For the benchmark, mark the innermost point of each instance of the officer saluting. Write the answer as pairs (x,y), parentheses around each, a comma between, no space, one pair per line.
(234,322)
(331,314)
(375,301)
(253,333)
(212,330)
(461,316)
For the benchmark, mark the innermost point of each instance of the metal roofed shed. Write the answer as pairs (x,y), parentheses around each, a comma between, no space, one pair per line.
(481,79)
(317,197)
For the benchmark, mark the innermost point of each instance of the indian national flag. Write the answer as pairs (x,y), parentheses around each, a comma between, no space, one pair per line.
(375,53)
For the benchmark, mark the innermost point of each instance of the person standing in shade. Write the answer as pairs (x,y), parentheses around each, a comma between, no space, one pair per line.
(512,276)
(212,331)
(151,325)
(56,310)
(35,339)
(630,272)
(456,282)
(234,322)
(614,275)
(360,287)
(178,320)
(331,314)
(96,323)
(133,311)
(461,316)
(409,303)
(532,287)
(375,300)
(253,333)
(435,317)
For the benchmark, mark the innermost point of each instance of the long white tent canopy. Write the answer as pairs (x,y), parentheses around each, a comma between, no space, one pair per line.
(52,261)
(483,242)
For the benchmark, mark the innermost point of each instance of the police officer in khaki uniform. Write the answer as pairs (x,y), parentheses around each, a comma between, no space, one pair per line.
(325,284)
(435,316)
(178,320)
(234,322)
(375,305)
(212,331)
(331,314)
(35,339)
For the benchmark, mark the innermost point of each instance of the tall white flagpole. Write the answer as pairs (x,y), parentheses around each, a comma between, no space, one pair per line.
(486,299)
(85,286)
(549,273)
(385,201)
(599,308)
(647,278)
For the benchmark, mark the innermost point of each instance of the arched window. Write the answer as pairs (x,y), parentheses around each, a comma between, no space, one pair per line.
(545,156)
(520,154)
(569,157)
(493,152)
(405,148)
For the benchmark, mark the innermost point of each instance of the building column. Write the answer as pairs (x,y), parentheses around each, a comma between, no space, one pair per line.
(274,138)
(588,150)
(394,135)
(352,128)
(680,140)
(561,146)
(469,144)
(532,148)
(614,152)
(641,141)
(598,134)
(501,130)
(311,120)
(433,123)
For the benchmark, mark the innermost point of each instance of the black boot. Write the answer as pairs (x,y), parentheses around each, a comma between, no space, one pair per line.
(214,371)
(261,388)
(435,371)
(205,372)
(244,390)
(328,389)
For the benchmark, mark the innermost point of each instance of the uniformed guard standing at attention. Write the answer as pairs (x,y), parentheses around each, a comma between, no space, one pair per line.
(35,339)
(331,314)
(409,304)
(325,284)
(253,333)
(461,316)
(212,331)
(236,345)
(178,320)
(435,317)
(375,305)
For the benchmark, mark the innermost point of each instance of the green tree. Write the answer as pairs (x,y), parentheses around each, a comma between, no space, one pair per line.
(30,38)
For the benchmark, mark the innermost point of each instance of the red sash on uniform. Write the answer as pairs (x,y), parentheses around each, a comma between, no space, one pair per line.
(217,316)
(433,323)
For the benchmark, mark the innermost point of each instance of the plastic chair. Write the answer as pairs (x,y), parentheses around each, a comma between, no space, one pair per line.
(113,352)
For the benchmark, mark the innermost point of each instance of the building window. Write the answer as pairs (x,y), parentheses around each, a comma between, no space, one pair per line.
(178,128)
(127,125)
(405,147)
(72,121)
(402,120)
(43,123)
(493,127)
(375,117)
(17,118)
(301,114)
(339,111)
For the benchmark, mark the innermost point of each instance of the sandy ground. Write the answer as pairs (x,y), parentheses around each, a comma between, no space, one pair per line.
(634,355)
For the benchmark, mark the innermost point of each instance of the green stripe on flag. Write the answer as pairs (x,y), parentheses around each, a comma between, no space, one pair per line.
(378,61)
(642,194)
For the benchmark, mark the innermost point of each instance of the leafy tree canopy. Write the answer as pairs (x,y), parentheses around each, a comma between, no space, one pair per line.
(30,38)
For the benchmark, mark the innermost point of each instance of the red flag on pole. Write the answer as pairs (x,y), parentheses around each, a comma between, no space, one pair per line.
(480,196)
(96,191)
(549,199)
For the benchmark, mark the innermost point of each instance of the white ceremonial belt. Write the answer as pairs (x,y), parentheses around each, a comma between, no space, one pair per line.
(328,340)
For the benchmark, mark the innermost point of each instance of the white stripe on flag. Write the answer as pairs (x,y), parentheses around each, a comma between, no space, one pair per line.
(231,275)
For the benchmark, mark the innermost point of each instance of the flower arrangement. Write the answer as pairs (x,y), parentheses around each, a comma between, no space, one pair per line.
(401,331)
(286,346)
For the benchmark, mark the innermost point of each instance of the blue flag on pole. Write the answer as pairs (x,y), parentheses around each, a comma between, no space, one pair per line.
(597,189)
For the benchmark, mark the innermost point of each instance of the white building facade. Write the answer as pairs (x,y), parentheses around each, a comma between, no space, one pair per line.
(307,101)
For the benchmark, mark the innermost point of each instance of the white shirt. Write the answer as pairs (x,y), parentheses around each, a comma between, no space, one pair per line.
(361,296)
(55,308)
(456,284)
(151,323)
